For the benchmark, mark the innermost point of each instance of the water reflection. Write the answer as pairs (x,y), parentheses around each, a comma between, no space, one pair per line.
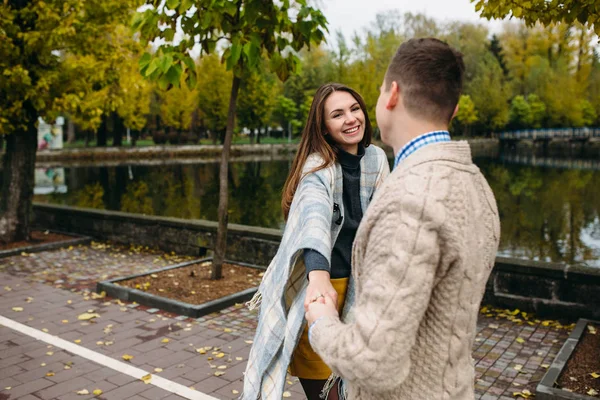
(189,191)
(547,213)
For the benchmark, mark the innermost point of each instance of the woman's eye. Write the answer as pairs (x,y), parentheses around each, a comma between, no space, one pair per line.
(355,109)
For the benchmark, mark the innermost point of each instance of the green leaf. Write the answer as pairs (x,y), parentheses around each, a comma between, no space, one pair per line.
(145,60)
(174,75)
(169,34)
(252,53)
(234,57)
(152,67)
(172,4)
(166,62)
(163,82)
(189,63)
(191,80)
(185,5)
(517,12)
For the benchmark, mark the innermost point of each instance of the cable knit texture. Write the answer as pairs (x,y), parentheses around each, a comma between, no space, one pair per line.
(422,256)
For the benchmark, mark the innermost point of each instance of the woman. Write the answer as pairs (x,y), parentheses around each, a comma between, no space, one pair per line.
(330,185)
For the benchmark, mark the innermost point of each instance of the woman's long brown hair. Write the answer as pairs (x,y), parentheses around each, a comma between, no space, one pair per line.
(316,140)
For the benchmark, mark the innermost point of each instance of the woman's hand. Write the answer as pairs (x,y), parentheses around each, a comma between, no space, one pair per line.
(323,307)
(319,286)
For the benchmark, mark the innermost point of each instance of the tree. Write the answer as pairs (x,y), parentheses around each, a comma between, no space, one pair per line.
(490,93)
(467,114)
(251,30)
(285,111)
(214,82)
(537,109)
(546,12)
(108,89)
(178,106)
(36,36)
(520,113)
(257,101)
(588,112)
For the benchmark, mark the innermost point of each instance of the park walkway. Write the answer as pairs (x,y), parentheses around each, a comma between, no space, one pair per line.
(47,352)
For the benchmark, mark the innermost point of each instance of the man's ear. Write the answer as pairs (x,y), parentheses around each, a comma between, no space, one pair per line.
(454,113)
(394,96)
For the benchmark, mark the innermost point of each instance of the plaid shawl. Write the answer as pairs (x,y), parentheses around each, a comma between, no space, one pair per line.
(281,293)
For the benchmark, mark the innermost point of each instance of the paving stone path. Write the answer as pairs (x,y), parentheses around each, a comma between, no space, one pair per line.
(511,354)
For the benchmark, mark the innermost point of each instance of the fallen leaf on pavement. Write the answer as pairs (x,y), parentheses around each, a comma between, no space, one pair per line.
(147,378)
(83,392)
(17,309)
(127,357)
(88,316)
(97,392)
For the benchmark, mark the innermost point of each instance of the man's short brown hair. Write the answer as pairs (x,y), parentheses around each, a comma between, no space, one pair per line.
(429,74)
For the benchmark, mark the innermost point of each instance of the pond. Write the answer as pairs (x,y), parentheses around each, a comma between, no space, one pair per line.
(549,207)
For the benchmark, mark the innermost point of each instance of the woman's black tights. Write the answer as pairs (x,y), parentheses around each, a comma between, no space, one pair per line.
(313,388)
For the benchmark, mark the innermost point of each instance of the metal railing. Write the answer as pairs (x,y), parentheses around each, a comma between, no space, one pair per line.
(541,134)
(551,162)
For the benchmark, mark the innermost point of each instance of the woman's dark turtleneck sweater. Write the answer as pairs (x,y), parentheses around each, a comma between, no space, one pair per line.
(341,255)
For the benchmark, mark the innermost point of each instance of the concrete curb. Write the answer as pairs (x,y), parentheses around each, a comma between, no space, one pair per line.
(546,389)
(170,305)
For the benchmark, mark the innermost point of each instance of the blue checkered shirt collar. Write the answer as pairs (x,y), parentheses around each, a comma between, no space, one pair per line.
(421,141)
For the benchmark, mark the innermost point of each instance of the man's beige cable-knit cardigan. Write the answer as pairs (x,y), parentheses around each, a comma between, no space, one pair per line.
(421,259)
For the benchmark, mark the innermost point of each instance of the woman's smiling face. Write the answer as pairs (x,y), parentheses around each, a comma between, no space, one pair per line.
(344,120)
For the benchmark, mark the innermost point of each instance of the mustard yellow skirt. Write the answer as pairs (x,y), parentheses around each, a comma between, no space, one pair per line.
(307,364)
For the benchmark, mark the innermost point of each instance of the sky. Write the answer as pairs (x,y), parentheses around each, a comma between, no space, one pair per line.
(354,15)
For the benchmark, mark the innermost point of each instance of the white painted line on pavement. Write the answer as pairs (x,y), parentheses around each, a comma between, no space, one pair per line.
(106,361)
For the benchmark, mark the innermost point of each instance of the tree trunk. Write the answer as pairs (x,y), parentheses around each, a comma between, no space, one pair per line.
(102,132)
(70,131)
(135,134)
(118,129)
(18,181)
(221,242)
(251,135)
(258,136)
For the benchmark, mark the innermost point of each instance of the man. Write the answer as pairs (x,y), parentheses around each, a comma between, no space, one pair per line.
(424,249)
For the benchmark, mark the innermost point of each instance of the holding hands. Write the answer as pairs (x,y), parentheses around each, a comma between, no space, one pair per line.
(321,297)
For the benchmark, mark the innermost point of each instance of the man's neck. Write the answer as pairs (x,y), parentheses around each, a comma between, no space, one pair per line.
(409,129)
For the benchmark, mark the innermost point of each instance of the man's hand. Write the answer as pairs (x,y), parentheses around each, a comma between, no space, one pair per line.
(323,307)
(319,286)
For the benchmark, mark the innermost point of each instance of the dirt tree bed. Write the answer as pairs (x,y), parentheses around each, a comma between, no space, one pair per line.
(37,238)
(585,361)
(192,284)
